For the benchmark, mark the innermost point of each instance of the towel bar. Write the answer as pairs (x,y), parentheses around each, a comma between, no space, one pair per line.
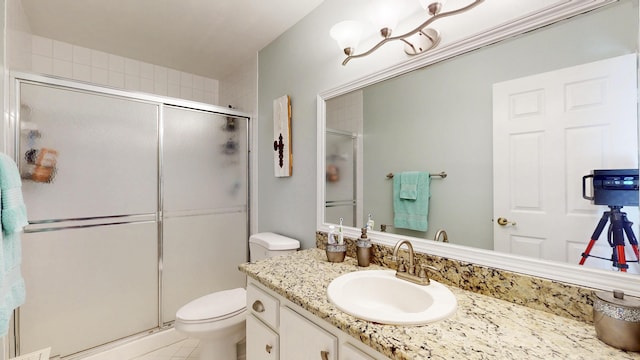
(441,174)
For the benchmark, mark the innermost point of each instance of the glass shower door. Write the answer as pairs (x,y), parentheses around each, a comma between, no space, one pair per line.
(89,164)
(205,226)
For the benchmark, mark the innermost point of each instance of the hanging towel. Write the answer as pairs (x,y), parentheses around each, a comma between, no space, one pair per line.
(411,213)
(409,185)
(13,217)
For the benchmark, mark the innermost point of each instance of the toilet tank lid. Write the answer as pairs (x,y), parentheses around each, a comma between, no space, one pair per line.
(218,304)
(273,241)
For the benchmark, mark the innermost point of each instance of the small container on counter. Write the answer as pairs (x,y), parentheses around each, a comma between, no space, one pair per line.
(363,252)
(336,247)
(617,320)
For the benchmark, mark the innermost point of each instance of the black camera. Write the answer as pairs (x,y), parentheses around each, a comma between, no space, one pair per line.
(613,187)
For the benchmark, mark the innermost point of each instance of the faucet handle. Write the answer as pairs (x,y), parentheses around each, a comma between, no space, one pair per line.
(423,270)
(401,267)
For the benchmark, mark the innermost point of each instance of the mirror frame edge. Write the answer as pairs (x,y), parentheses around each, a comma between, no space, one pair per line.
(555,271)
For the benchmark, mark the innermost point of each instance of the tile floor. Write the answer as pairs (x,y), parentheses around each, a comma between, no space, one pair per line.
(183,350)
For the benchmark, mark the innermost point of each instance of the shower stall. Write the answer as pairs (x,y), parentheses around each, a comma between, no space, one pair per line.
(137,204)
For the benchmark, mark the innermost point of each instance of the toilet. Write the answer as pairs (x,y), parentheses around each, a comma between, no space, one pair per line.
(218,319)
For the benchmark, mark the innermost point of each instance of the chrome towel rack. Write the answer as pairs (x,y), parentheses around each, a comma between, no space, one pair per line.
(442,175)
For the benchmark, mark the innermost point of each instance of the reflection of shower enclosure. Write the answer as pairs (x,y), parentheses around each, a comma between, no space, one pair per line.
(341,178)
(144,208)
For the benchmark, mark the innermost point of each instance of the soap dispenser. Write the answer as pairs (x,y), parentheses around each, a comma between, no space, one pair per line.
(364,249)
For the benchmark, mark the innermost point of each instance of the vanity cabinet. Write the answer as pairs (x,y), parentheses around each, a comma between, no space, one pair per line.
(277,329)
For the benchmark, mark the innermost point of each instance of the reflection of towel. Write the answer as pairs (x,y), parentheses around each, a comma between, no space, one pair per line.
(409,185)
(13,216)
(411,213)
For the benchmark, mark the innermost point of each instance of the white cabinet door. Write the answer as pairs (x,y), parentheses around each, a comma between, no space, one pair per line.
(302,339)
(262,342)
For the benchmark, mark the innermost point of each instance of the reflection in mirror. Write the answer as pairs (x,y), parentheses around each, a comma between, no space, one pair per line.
(440,118)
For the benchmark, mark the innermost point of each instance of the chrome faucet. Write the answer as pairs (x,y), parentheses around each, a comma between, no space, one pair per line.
(410,275)
(444,236)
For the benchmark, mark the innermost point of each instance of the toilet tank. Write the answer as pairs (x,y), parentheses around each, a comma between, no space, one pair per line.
(267,244)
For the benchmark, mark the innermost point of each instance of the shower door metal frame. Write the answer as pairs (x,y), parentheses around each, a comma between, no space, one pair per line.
(12,147)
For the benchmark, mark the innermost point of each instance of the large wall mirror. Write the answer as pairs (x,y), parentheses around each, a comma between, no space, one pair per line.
(445,117)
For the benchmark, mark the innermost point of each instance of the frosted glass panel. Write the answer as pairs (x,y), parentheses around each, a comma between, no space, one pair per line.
(86,287)
(205,160)
(340,170)
(201,255)
(85,154)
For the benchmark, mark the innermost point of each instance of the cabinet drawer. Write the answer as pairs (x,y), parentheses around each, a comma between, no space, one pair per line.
(263,306)
(350,352)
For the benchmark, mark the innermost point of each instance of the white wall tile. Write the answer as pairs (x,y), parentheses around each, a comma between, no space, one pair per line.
(100,76)
(146,85)
(63,68)
(42,64)
(198,95)
(161,88)
(99,59)
(82,72)
(146,70)
(42,46)
(116,79)
(198,82)
(116,63)
(186,93)
(186,80)
(173,77)
(173,90)
(62,51)
(75,62)
(132,67)
(208,84)
(131,82)
(81,55)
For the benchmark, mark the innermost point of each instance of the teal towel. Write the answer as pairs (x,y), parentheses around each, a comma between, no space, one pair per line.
(13,215)
(409,185)
(411,213)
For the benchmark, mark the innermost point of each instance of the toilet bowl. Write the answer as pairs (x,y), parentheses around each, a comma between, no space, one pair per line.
(218,319)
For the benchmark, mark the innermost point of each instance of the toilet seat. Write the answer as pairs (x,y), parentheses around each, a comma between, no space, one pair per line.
(214,307)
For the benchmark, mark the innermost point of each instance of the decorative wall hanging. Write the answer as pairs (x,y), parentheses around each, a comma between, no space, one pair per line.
(282,158)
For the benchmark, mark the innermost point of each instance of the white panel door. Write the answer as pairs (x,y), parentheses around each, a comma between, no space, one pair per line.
(549,130)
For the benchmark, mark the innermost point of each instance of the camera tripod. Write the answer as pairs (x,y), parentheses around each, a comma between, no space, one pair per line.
(619,226)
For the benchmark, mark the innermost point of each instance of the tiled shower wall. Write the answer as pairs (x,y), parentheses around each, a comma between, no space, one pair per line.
(79,63)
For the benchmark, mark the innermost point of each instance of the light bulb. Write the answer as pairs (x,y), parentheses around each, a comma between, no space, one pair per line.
(432,6)
(347,34)
(385,14)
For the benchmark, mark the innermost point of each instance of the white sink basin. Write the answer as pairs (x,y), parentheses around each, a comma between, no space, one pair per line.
(377,295)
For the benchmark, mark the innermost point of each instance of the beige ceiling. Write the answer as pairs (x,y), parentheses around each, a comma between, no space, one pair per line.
(204,37)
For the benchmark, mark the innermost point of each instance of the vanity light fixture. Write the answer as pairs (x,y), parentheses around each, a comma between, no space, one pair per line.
(385,14)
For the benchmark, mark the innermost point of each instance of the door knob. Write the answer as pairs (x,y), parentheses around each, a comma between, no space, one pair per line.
(503,221)
(324,355)
(268,348)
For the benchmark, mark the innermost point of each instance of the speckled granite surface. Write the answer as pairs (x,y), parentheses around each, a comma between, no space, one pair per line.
(482,328)
(573,302)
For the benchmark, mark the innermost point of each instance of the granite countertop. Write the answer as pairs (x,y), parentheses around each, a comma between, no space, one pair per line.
(482,328)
